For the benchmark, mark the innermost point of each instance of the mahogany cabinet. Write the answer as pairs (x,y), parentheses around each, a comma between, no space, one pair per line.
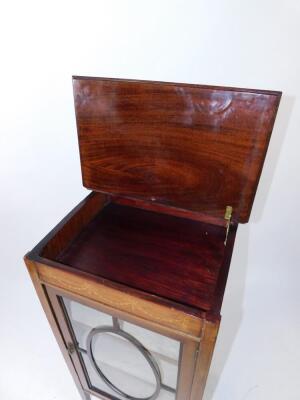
(132,279)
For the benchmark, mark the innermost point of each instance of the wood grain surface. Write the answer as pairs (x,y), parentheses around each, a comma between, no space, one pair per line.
(175,258)
(193,147)
(171,321)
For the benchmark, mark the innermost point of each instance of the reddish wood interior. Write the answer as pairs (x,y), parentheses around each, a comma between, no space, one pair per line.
(176,258)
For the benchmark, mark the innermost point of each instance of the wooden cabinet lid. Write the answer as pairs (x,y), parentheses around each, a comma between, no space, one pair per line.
(192,147)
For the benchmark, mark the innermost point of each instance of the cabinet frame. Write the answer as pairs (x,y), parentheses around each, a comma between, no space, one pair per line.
(196,335)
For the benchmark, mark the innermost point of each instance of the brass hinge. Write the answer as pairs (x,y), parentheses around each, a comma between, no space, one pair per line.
(227,217)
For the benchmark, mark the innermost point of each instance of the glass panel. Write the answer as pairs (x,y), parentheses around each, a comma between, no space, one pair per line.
(121,359)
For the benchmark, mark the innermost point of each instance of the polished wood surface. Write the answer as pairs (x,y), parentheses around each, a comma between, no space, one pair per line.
(144,248)
(73,224)
(163,209)
(175,258)
(192,147)
(46,251)
(169,319)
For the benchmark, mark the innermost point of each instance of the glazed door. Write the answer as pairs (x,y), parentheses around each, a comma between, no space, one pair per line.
(117,359)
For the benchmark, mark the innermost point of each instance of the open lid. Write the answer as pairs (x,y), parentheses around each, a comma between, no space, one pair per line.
(192,147)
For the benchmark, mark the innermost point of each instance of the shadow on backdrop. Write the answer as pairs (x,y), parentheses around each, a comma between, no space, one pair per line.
(232,310)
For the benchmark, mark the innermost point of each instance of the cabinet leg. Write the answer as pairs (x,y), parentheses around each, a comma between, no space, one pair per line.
(204,358)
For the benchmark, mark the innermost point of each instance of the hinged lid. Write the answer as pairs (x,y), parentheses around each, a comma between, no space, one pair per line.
(193,147)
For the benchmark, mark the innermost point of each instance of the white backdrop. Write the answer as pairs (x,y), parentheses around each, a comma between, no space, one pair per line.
(225,42)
